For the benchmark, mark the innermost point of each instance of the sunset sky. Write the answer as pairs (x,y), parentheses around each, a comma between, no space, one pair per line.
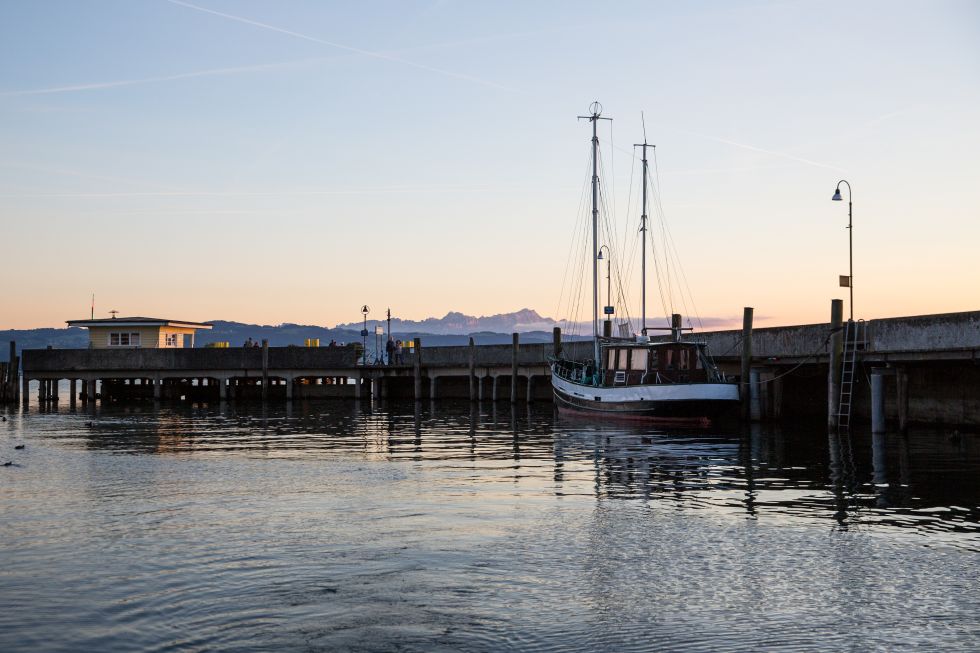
(289,161)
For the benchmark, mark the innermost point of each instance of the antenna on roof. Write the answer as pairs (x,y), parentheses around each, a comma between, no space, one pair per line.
(113,313)
(93,306)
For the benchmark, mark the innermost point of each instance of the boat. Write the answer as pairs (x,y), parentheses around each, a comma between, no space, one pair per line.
(670,381)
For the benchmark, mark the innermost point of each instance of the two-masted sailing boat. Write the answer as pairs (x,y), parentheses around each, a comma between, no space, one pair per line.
(632,377)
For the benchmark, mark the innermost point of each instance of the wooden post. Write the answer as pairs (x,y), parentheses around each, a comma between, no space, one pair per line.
(9,393)
(836,349)
(556,341)
(472,361)
(513,370)
(746,385)
(265,370)
(418,369)
(902,388)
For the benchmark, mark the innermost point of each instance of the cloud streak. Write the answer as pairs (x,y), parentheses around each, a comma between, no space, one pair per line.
(160,78)
(341,46)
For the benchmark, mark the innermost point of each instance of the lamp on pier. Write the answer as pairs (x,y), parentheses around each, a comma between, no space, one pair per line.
(850,240)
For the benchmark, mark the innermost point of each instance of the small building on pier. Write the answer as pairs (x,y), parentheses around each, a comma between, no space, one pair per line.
(139,332)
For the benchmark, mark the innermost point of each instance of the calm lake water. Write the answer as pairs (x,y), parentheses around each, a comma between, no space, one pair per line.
(329,527)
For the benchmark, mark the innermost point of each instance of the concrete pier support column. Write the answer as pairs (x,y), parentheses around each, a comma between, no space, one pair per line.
(480,382)
(290,382)
(755,395)
(72,391)
(472,362)
(357,386)
(746,386)
(836,349)
(877,401)
(42,391)
(54,389)
(418,369)
(496,383)
(902,397)
(777,399)
(157,388)
(383,382)
(265,370)
(222,389)
(432,388)
(25,392)
(513,369)
(92,390)
(530,388)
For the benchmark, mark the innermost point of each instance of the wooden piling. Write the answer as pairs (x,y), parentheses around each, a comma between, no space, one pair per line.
(513,370)
(418,369)
(746,385)
(836,349)
(472,361)
(265,370)
(902,391)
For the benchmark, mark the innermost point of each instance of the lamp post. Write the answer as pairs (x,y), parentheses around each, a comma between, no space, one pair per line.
(364,334)
(608,306)
(850,238)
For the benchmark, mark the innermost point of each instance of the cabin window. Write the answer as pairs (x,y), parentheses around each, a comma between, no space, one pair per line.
(685,359)
(623,357)
(170,340)
(638,360)
(610,359)
(124,339)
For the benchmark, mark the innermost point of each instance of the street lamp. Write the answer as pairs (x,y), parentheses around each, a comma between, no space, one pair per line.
(850,238)
(364,333)
(608,309)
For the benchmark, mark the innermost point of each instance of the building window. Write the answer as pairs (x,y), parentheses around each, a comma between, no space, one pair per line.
(124,339)
(171,340)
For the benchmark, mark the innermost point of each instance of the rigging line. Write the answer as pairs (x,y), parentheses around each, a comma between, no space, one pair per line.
(676,255)
(572,242)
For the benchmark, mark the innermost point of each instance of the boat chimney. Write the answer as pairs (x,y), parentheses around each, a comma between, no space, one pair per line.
(675,326)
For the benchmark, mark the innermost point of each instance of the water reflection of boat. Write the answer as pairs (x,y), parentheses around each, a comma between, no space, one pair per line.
(631,377)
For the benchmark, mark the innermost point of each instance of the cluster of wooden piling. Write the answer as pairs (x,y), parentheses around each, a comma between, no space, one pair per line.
(10,377)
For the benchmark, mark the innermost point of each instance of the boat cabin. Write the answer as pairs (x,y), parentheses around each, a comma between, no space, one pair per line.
(628,363)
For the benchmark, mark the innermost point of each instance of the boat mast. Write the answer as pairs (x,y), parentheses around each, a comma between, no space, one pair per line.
(594,118)
(643,231)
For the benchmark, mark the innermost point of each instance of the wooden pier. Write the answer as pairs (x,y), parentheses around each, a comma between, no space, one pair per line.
(928,369)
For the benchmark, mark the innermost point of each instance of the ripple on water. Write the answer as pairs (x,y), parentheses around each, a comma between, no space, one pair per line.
(330,528)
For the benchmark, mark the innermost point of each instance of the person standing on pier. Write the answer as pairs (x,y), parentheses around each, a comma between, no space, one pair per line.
(399,349)
(390,350)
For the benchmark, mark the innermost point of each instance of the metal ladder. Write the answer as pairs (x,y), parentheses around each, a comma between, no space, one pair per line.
(853,341)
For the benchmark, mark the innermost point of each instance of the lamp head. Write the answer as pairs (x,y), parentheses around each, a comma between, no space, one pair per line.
(599,257)
(836,196)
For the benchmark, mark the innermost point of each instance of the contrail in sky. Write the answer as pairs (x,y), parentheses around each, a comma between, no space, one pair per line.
(341,46)
(161,78)
(761,150)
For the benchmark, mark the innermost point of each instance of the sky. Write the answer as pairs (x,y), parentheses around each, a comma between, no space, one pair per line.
(291,161)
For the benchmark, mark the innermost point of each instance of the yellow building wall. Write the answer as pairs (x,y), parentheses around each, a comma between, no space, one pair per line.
(150,337)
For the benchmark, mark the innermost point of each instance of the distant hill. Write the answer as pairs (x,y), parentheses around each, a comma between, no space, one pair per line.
(454,329)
